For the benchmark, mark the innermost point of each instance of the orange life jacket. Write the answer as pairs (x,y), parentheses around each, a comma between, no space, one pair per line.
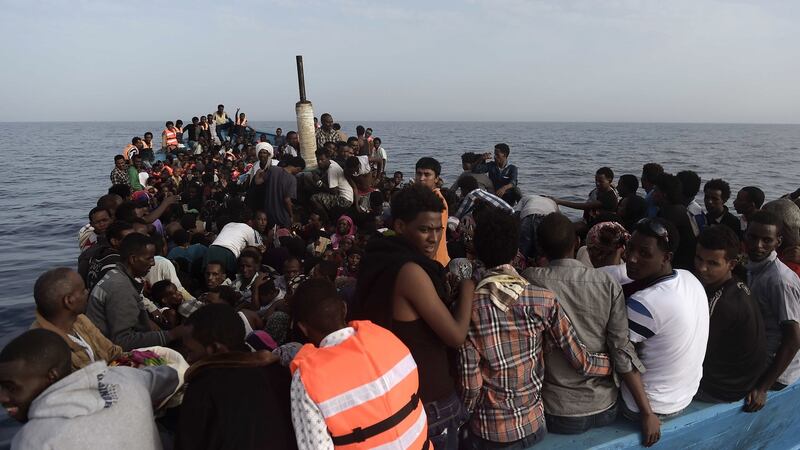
(366,388)
(170,138)
(127,152)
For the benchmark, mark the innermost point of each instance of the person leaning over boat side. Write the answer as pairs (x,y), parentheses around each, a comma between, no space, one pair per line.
(575,402)
(736,354)
(232,239)
(327,395)
(502,362)
(668,321)
(91,408)
(115,302)
(778,290)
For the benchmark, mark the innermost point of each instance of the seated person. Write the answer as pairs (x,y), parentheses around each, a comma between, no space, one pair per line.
(506,408)
(736,354)
(668,321)
(94,407)
(61,299)
(235,398)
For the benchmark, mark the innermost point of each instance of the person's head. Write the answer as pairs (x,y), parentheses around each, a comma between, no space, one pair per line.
(315,221)
(137,161)
(181,237)
(148,137)
(467,184)
(169,125)
(263,156)
(344,225)
(195,120)
(110,202)
(417,215)
(323,159)
(326,270)
(427,172)
(650,172)
(295,165)
(179,123)
(715,193)
(215,329)
(29,364)
(353,262)
(119,162)
(603,179)
(117,231)
(136,141)
(376,142)
(223,294)
(690,182)
(360,130)
(215,274)
(100,218)
(165,293)
(650,249)
(60,292)
(220,108)
(605,243)
(627,185)
(368,132)
(260,221)
(468,160)
(667,190)
(203,119)
(501,152)
(292,267)
(763,235)
(496,236)
(398,178)
(138,253)
(293,139)
(278,132)
(327,121)
(318,309)
(249,263)
(748,200)
(716,255)
(556,237)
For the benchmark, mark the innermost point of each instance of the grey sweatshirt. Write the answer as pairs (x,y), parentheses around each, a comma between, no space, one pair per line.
(116,309)
(98,407)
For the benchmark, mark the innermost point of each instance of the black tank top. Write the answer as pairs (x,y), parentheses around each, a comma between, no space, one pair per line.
(430,354)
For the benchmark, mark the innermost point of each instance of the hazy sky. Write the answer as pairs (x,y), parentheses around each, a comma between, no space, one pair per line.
(550,60)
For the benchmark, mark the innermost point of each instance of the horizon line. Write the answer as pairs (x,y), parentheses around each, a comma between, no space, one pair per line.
(439,121)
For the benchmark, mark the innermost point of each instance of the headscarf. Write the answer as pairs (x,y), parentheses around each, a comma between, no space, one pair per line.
(337,238)
(607,236)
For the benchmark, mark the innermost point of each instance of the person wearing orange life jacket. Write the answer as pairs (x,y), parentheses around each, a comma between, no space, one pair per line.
(169,137)
(355,386)
(133,148)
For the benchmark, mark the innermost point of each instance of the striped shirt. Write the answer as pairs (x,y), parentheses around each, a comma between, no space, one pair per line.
(468,204)
(501,368)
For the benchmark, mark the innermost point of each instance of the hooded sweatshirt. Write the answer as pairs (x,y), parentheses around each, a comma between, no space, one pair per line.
(98,407)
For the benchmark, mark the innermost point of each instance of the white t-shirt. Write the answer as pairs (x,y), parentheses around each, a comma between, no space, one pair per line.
(382,154)
(337,180)
(669,320)
(535,204)
(618,272)
(236,236)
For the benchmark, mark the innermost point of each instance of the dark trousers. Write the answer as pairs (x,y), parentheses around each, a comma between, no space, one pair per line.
(581,424)
(445,417)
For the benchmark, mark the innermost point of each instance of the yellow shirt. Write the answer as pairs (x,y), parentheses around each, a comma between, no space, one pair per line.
(441,253)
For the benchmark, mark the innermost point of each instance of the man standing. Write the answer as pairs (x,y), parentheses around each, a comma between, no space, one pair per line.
(736,354)
(326,133)
(115,304)
(281,188)
(715,194)
(221,124)
(573,402)
(778,290)
(748,201)
(650,172)
(668,320)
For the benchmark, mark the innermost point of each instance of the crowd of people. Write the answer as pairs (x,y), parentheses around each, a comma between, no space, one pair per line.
(346,307)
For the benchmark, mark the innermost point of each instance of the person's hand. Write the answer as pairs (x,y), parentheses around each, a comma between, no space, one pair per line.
(755,400)
(487,155)
(501,192)
(651,429)
(259,281)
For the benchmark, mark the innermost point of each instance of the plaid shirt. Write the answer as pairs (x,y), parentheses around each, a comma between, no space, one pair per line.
(480,195)
(501,364)
(119,177)
(326,136)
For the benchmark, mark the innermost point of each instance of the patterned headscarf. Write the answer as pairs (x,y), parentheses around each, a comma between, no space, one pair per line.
(607,236)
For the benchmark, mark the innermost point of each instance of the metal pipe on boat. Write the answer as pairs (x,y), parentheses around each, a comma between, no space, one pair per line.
(305,121)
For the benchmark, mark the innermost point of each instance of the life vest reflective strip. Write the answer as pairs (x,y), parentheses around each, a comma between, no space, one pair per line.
(126,152)
(375,406)
(170,138)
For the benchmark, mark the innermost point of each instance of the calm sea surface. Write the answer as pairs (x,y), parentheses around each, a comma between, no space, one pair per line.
(51,174)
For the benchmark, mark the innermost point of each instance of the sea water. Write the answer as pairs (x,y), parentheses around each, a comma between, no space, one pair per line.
(51,174)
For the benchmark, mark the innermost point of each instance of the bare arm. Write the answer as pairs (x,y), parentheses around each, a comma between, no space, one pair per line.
(156,213)
(790,344)
(417,296)
(651,426)
(578,205)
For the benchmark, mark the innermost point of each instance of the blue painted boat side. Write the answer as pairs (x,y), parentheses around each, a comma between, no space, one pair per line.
(703,426)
